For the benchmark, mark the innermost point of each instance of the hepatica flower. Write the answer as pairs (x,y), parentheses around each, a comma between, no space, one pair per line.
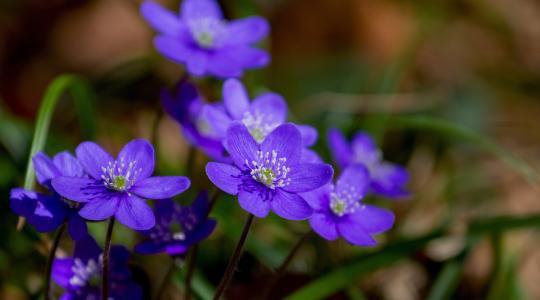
(46,212)
(185,105)
(200,38)
(118,187)
(339,212)
(268,176)
(178,227)
(80,275)
(261,116)
(387,179)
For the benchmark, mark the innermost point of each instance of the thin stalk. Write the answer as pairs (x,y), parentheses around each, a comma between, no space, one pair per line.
(190,269)
(166,280)
(50,260)
(283,267)
(105,270)
(233,261)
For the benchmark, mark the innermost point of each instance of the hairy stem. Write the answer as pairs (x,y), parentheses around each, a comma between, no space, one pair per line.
(233,261)
(166,280)
(105,270)
(50,260)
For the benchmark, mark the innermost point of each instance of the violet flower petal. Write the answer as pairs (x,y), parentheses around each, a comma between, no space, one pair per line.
(284,140)
(247,31)
(324,226)
(140,152)
(92,157)
(272,105)
(78,189)
(355,176)
(134,213)
(253,203)
(339,148)
(161,19)
(235,98)
(45,168)
(241,145)
(196,9)
(160,187)
(309,135)
(355,233)
(101,208)
(373,219)
(308,176)
(68,164)
(224,176)
(290,206)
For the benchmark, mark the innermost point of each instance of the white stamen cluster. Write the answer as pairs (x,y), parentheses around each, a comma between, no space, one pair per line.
(258,124)
(345,201)
(120,176)
(205,31)
(84,274)
(270,170)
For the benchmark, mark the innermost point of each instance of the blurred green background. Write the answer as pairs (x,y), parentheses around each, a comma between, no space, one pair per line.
(449,88)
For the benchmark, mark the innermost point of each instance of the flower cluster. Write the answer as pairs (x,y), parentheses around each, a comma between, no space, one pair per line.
(257,156)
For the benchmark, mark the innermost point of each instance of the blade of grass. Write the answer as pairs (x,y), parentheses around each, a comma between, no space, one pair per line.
(448,129)
(200,285)
(82,97)
(342,277)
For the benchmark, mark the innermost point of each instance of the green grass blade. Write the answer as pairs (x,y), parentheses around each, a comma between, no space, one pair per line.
(344,276)
(199,284)
(450,130)
(82,97)
(446,281)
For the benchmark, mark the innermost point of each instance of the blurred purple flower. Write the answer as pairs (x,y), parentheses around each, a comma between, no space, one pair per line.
(46,212)
(200,38)
(118,187)
(261,116)
(338,210)
(80,275)
(268,176)
(177,227)
(387,179)
(185,106)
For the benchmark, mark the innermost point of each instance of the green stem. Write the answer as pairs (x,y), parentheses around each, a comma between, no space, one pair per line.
(50,260)
(190,269)
(233,261)
(106,252)
(166,279)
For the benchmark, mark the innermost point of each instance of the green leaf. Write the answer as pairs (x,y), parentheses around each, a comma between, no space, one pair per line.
(82,97)
(447,281)
(345,275)
(503,223)
(448,129)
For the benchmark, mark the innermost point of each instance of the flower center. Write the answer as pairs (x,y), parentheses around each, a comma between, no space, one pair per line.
(270,170)
(259,125)
(206,31)
(86,274)
(345,201)
(120,176)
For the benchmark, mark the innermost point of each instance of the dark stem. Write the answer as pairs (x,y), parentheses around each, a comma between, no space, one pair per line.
(166,280)
(213,200)
(50,260)
(283,267)
(191,161)
(190,269)
(233,261)
(105,270)
(155,126)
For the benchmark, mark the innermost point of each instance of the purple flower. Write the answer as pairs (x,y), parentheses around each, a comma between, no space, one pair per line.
(200,38)
(80,275)
(46,212)
(268,176)
(339,212)
(387,179)
(177,227)
(261,116)
(118,187)
(185,106)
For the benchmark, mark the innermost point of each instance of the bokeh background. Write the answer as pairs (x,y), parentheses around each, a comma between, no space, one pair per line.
(449,88)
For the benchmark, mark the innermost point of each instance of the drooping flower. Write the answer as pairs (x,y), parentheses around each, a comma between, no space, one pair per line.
(261,117)
(80,275)
(46,212)
(185,105)
(200,38)
(387,179)
(118,187)
(178,227)
(270,175)
(339,212)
